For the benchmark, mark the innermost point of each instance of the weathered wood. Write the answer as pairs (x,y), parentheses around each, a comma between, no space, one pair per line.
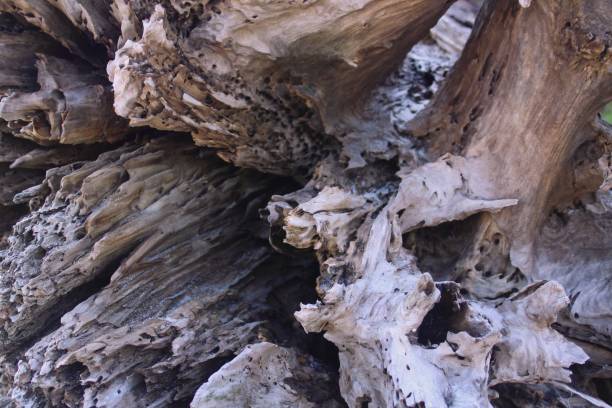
(544,152)
(275,376)
(188,283)
(269,85)
(47,94)
(457,198)
(511,166)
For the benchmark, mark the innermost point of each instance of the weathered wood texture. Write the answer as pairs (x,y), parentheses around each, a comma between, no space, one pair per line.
(190,190)
(50,95)
(271,85)
(170,236)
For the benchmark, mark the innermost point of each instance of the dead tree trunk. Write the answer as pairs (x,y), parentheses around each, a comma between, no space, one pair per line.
(321,203)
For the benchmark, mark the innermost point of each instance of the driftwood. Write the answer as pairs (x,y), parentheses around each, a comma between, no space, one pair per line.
(318,203)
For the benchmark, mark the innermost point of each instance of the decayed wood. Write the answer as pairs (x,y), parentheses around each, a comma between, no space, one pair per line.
(83,27)
(71,106)
(264,375)
(458,201)
(13,180)
(573,73)
(376,303)
(264,83)
(367,278)
(190,292)
(50,96)
(534,153)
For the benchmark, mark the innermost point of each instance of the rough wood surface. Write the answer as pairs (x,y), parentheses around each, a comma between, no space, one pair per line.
(362,203)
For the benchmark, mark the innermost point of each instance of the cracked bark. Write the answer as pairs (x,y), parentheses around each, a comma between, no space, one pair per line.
(168,169)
